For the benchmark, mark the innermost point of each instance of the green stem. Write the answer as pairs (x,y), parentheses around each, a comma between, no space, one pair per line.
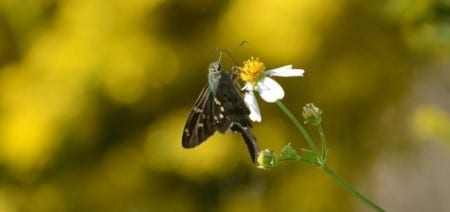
(298,125)
(351,189)
(322,163)
(297,160)
(323,141)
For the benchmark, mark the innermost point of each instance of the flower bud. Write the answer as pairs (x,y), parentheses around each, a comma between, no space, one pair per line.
(266,159)
(312,114)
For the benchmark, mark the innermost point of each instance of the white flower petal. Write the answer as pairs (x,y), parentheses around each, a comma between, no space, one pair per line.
(285,71)
(252,104)
(248,87)
(270,90)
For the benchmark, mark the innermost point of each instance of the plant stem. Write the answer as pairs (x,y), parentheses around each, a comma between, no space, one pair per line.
(322,163)
(323,141)
(351,189)
(299,126)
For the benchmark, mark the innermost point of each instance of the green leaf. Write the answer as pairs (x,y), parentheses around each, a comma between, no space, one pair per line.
(311,156)
(289,153)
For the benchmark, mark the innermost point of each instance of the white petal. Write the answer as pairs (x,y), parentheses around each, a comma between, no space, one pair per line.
(285,71)
(270,90)
(248,87)
(252,104)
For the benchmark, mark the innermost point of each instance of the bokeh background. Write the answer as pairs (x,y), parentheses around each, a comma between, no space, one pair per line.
(94,95)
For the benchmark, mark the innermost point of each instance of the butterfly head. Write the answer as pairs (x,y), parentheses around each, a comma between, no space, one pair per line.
(215,67)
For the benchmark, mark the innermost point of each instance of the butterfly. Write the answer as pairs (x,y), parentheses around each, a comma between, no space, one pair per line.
(219,107)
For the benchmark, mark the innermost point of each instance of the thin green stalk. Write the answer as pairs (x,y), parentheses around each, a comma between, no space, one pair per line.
(298,160)
(321,161)
(351,189)
(298,125)
(323,141)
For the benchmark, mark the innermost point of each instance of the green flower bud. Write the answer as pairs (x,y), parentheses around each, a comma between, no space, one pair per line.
(312,114)
(266,159)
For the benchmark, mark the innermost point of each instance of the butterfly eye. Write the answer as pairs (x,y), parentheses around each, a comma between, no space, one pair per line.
(214,67)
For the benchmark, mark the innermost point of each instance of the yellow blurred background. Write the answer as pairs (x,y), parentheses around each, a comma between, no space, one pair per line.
(94,95)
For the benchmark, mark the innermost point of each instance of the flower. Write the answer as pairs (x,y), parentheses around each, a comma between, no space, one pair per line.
(257,79)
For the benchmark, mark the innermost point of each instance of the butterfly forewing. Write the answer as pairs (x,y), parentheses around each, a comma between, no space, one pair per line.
(199,125)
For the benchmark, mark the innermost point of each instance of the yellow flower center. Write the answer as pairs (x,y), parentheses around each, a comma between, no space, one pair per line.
(252,70)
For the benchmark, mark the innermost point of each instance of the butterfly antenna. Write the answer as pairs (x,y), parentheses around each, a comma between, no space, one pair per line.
(220,56)
(229,54)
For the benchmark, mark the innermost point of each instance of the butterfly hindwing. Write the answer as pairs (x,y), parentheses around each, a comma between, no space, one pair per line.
(231,112)
(249,139)
(229,107)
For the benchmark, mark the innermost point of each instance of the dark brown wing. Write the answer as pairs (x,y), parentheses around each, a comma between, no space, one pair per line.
(249,139)
(229,107)
(226,110)
(199,125)
(230,111)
